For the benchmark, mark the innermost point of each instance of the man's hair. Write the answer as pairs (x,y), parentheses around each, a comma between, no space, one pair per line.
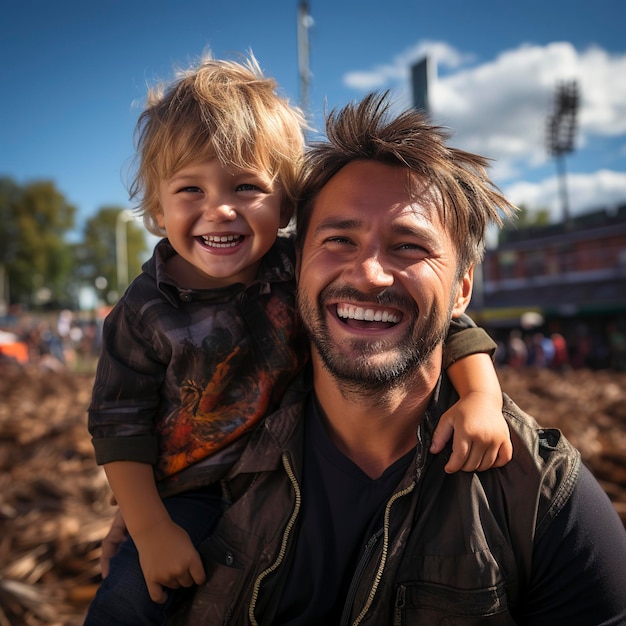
(218,109)
(454,181)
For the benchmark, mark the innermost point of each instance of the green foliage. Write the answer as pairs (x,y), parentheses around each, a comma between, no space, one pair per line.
(98,251)
(9,194)
(41,266)
(38,261)
(525,219)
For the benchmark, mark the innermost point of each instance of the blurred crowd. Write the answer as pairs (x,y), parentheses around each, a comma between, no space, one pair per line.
(582,348)
(62,340)
(72,341)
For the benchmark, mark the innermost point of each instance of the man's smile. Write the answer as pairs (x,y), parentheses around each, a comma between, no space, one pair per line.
(368,314)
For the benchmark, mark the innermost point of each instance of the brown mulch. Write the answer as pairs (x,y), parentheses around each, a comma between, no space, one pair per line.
(54,500)
(590,408)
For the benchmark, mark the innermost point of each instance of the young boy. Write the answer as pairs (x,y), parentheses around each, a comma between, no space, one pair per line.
(205,341)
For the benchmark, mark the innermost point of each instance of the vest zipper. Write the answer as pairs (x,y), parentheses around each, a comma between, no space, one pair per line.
(400,602)
(369,548)
(364,559)
(283,545)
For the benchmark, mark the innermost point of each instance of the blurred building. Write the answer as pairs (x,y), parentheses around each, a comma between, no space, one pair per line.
(570,278)
(562,271)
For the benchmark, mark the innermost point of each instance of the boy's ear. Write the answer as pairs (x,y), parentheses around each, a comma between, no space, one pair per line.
(463,293)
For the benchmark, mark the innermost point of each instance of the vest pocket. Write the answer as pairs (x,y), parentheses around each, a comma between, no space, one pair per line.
(222,566)
(212,602)
(433,604)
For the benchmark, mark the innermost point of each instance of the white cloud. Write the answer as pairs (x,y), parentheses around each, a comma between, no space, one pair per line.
(500,108)
(604,189)
(382,76)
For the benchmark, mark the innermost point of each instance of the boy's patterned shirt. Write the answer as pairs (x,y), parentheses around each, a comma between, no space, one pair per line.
(184,374)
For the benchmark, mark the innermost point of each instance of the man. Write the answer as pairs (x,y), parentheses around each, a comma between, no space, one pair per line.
(339,513)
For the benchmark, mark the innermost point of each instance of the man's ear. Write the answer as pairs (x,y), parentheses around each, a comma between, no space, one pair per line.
(464,293)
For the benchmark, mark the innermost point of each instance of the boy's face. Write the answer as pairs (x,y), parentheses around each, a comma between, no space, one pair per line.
(220,222)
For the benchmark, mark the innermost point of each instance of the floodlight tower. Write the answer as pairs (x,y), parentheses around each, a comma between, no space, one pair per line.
(561,129)
(423,77)
(305,22)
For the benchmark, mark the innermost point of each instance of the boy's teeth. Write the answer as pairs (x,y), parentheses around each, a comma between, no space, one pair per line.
(222,241)
(369,315)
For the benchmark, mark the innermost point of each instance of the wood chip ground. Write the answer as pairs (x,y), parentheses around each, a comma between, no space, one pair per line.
(54,501)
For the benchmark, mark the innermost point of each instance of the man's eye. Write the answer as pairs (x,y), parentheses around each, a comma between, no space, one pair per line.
(413,251)
(337,240)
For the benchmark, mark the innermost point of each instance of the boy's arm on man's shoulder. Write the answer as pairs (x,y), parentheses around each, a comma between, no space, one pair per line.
(465,338)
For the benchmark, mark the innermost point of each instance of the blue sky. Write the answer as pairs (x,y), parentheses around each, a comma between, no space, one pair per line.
(74,77)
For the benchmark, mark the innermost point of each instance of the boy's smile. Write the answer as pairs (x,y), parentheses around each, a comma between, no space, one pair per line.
(220,221)
(221,241)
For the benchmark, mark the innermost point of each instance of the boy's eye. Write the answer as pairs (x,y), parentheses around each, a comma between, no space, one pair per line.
(248,187)
(189,189)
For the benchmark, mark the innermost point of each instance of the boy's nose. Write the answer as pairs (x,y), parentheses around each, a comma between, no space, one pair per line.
(219,212)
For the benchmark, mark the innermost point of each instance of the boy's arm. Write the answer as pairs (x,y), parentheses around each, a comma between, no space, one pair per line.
(481,435)
(465,338)
(166,554)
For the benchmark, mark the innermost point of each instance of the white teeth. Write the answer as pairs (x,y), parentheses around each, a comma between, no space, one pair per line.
(221,241)
(348,311)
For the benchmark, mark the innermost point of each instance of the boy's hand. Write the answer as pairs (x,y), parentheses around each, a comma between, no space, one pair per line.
(481,435)
(168,559)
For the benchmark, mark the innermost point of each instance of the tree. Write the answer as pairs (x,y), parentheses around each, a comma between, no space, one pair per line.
(527,218)
(524,219)
(8,232)
(97,254)
(9,194)
(38,261)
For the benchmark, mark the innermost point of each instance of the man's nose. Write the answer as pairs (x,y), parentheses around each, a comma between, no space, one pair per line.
(369,272)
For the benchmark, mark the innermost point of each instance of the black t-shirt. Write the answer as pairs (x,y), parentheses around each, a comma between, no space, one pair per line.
(339,504)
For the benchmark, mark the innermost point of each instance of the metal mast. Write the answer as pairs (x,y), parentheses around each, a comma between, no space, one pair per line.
(305,21)
(561,131)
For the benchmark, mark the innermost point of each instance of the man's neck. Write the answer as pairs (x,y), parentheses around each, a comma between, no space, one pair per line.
(373,429)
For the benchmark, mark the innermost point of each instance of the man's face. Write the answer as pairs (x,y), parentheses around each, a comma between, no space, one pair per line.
(377,280)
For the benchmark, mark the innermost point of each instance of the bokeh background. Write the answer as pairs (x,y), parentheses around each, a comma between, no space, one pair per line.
(538,87)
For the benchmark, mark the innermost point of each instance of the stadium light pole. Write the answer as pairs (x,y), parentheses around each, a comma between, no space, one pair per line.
(305,22)
(561,129)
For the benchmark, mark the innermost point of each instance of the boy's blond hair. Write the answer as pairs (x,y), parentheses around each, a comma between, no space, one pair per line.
(218,109)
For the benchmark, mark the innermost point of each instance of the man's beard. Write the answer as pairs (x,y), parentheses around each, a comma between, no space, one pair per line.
(362,371)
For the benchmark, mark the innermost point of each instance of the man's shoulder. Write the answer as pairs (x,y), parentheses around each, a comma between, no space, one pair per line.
(545,464)
(542,442)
